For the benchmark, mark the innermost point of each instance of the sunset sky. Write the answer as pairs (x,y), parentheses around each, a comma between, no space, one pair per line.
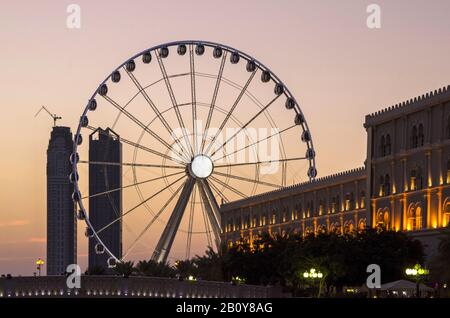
(338,69)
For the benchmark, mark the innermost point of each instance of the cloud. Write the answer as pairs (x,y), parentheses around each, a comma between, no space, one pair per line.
(14,223)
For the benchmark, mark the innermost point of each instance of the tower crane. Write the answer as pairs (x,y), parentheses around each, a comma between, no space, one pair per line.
(54,116)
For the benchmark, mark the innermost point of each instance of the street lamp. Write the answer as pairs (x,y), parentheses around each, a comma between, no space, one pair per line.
(39,263)
(313,275)
(417,273)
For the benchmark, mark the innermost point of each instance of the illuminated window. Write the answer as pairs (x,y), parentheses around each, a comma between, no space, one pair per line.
(348,227)
(363,200)
(321,207)
(416,179)
(309,209)
(383,218)
(415,218)
(381,186)
(321,229)
(362,225)
(254,221)
(273,219)
(284,216)
(446,213)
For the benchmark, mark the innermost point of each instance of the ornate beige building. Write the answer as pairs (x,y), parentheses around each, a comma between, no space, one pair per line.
(404,186)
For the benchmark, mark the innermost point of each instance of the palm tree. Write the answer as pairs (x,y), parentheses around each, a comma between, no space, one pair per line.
(95,270)
(440,264)
(152,268)
(126,269)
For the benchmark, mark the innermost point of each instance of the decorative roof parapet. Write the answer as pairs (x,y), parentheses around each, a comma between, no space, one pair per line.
(331,179)
(414,104)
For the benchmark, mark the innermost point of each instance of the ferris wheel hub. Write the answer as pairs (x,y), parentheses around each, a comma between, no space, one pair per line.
(201,167)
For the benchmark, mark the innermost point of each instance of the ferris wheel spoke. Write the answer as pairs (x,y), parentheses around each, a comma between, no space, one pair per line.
(131,185)
(213,101)
(139,123)
(228,187)
(191,223)
(194,99)
(255,143)
(248,179)
(236,102)
(246,124)
(219,193)
(174,102)
(129,164)
(259,162)
(165,242)
(211,208)
(136,145)
(138,205)
(207,229)
(153,106)
(155,217)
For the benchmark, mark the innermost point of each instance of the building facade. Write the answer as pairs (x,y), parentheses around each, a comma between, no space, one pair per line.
(404,186)
(105,146)
(61,220)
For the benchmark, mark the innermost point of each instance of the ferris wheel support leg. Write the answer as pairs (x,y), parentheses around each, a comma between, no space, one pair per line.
(168,236)
(212,210)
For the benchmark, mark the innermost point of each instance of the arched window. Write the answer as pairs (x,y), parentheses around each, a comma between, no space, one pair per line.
(446,211)
(362,204)
(383,218)
(321,207)
(414,137)
(421,136)
(362,225)
(415,218)
(348,227)
(416,179)
(387,185)
(321,229)
(333,205)
(383,146)
(349,202)
(381,186)
(412,177)
(388,145)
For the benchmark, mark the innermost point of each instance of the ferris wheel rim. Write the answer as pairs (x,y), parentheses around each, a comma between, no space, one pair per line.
(247,57)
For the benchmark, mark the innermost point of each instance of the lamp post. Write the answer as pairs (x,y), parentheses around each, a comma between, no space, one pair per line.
(417,273)
(313,275)
(39,263)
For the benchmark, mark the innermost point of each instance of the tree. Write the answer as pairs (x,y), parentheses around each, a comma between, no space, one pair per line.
(155,269)
(279,259)
(440,264)
(126,269)
(185,268)
(95,270)
(210,266)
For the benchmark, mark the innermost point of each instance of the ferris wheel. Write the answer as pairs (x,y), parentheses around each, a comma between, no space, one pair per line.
(199,124)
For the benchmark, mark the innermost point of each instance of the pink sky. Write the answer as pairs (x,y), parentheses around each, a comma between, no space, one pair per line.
(337,68)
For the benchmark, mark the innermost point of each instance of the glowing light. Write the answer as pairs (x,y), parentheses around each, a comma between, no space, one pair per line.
(201,167)
(191,278)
